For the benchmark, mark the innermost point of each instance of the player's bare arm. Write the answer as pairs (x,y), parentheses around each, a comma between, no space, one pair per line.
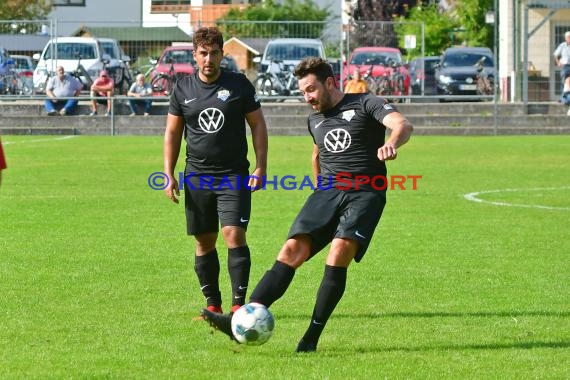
(258,128)
(400,131)
(172,141)
(103,88)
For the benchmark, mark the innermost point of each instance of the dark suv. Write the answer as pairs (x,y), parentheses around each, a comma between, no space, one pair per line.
(422,75)
(460,68)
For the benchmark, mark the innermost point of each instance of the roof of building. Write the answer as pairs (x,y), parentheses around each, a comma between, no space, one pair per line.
(255,45)
(136,33)
(244,44)
(23,42)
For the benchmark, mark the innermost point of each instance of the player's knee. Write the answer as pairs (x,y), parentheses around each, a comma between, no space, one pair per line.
(234,236)
(342,252)
(295,251)
(206,242)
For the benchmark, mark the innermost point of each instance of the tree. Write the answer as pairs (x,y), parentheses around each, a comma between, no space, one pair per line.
(470,15)
(439,29)
(373,21)
(290,19)
(14,10)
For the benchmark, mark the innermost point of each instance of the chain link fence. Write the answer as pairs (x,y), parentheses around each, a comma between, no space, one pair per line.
(143,44)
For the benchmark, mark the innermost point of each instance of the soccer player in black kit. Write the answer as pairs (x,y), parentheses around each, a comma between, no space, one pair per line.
(348,131)
(209,108)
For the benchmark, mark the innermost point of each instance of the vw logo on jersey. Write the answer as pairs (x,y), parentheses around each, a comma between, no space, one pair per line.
(223,94)
(211,120)
(338,140)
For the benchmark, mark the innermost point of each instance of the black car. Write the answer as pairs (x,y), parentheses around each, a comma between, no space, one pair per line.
(422,73)
(464,71)
(229,63)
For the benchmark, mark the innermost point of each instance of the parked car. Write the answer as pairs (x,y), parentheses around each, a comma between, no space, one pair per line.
(457,72)
(422,73)
(117,64)
(382,67)
(179,57)
(6,65)
(69,52)
(336,64)
(24,66)
(289,51)
(230,64)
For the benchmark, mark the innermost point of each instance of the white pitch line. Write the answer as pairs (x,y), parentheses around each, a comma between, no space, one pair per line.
(37,140)
(474,198)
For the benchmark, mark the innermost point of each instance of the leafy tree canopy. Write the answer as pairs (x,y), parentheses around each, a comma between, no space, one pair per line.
(439,29)
(14,10)
(261,20)
(24,9)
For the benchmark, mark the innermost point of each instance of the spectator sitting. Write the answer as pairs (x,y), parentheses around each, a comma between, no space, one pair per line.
(356,84)
(140,89)
(62,85)
(566,94)
(103,86)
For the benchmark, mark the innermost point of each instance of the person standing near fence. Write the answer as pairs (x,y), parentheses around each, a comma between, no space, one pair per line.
(562,58)
(210,108)
(356,85)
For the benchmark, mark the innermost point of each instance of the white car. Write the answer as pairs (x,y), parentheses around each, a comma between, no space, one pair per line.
(290,51)
(117,64)
(93,54)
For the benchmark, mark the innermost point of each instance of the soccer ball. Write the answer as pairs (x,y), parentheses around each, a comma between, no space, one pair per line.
(252,324)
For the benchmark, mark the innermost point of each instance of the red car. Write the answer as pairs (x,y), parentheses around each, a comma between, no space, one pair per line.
(381,67)
(174,62)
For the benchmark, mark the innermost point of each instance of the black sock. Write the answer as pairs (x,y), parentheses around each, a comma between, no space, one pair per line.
(330,292)
(273,284)
(207,269)
(239,263)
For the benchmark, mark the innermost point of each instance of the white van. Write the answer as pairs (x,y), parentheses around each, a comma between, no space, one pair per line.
(66,51)
(290,51)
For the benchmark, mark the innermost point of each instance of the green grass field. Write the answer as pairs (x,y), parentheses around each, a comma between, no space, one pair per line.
(97,280)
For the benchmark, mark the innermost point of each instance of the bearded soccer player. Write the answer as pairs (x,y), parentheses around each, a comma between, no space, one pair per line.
(348,132)
(209,108)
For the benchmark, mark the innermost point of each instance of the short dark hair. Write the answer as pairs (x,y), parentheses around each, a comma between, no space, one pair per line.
(206,36)
(314,65)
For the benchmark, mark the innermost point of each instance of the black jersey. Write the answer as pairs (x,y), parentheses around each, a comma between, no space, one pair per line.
(214,121)
(348,137)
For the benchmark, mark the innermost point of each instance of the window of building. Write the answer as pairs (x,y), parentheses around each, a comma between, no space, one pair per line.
(171,2)
(69,3)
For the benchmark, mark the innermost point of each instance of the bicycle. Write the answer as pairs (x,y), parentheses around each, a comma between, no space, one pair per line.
(277,80)
(11,83)
(164,83)
(380,84)
(146,70)
(81,74)
(396,80)
(483,83)
(121,76)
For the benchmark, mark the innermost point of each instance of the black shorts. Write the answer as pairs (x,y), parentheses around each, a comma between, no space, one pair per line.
(329,214)
(209,206)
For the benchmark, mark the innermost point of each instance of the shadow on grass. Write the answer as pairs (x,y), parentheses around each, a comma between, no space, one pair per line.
(527,345)
(555,344)
(405,314)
